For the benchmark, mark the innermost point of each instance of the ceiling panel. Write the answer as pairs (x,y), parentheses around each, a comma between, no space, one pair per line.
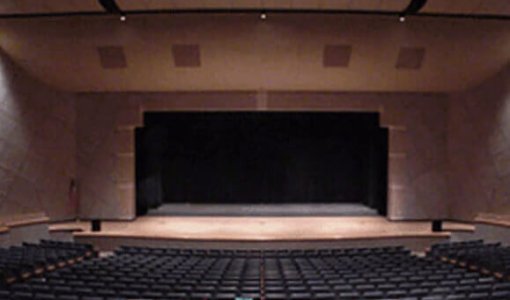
(134,4)
(393,5)
(48,6)
(285,4)
(205,4)
(20,7)
(306,4)
(365,4)
(451,6)
(6,6)
(72,5)
(335,4)
(494,7)
(246,4)
(469,7)
(464,6)
(145,4)
(436,6)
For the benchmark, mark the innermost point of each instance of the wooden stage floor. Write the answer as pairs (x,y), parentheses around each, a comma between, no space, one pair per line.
(261,232)
(263,228)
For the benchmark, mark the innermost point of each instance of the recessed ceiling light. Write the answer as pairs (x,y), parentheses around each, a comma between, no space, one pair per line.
(123,18)
(402,19)
(263,16)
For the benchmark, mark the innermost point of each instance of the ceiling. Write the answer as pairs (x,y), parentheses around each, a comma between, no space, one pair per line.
(464,7)
(237,52)
(86,49)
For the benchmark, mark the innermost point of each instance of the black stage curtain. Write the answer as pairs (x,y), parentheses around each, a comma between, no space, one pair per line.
(261,157)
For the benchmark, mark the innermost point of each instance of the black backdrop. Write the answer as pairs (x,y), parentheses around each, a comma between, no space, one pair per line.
(261,157)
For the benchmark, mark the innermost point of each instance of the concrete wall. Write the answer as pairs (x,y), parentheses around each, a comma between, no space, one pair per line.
(479,148)
(36,146)
(417,123)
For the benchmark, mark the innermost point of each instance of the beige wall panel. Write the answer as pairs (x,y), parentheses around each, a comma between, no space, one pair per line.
(36,146)
(423,116)
(398,140)
(478,147)
(124,141)
(125,170)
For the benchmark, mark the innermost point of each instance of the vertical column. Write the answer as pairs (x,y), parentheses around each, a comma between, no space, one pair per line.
(399,192)
(129,118)
(262,100)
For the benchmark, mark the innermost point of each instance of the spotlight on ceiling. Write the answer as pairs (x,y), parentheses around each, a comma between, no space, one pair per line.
(413,8)
(111,7)
(263,16)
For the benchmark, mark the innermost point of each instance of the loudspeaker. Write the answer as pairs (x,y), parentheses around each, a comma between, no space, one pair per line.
(96,225)
(437,225)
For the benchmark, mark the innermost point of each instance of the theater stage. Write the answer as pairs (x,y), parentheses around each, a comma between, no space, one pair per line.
(266,232)
(264,210)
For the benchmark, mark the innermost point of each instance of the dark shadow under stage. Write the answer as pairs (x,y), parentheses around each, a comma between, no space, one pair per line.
(266,210)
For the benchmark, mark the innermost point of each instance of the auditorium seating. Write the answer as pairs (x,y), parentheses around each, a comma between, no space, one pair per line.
(151,273)
(21,262)
(493,258)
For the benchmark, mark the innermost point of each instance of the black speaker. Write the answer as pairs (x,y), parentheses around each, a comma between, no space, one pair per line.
(96,225)
(437,225)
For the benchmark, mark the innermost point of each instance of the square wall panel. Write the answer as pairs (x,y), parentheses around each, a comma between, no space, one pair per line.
(112,57)
(186,56)
(337,56)
(410,58)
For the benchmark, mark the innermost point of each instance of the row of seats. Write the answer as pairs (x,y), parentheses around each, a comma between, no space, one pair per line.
(362,273)
(491,257)
(21,262)
(261,253)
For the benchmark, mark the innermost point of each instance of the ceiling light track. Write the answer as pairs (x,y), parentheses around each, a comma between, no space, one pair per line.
(257,12)
(111,7)
(413,8)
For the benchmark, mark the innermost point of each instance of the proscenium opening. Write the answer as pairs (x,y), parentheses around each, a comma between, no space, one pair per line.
(261,158)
